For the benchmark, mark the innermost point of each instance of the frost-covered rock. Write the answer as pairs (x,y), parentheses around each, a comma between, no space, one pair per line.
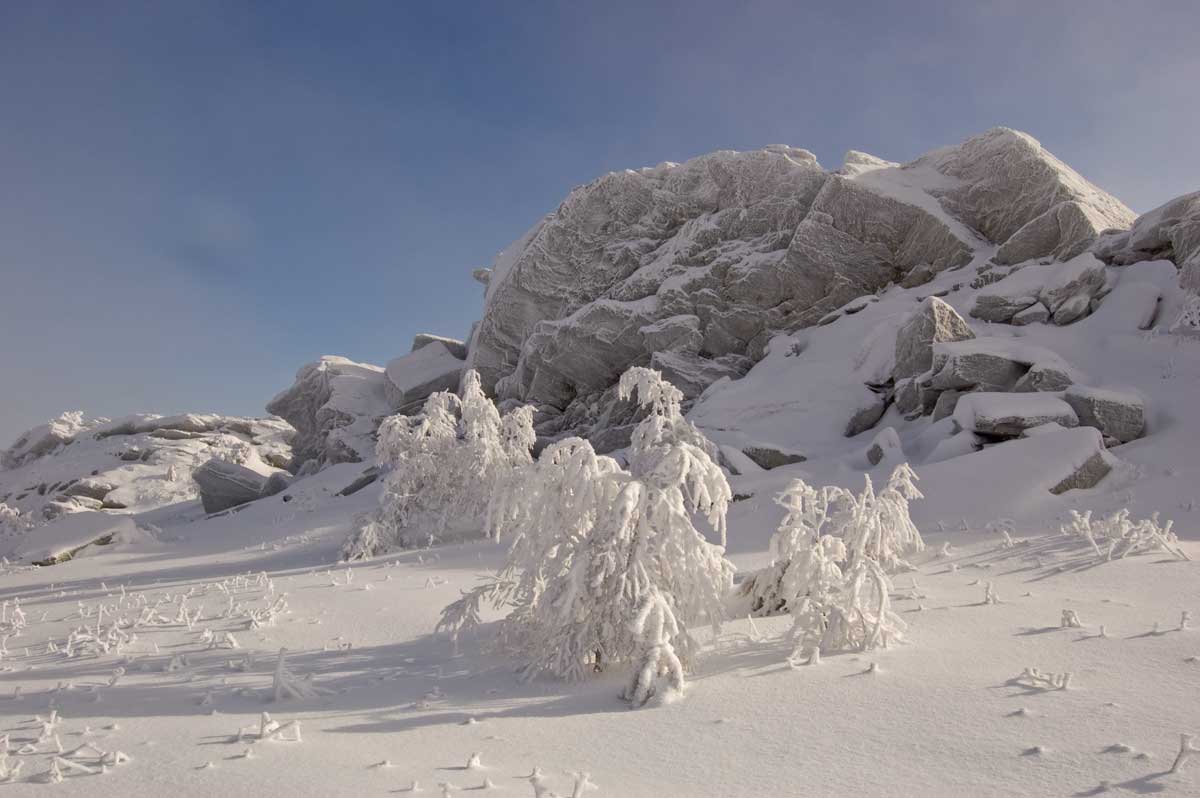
(335,405)
(457,348)
(769,457)
(885,446)
(1068,287)
(224,485)
(867,415)
(43,439)
(1007,415)
(1170,231)
(718,255)
(933,322)
(692,374)
(1062,232)
(430,367)
(137,463)
(1119,415)
(674,333)
(1006,180)
(66,537)
(998,364)
(1036,313)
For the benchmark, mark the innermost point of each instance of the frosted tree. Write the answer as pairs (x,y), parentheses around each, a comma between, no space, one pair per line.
(442,468)
(12,521)
(606,566)
(830,557)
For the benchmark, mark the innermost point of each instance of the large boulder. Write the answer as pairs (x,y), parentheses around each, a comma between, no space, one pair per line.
(1061,233)
(224,485)
(1120,416)
(335,405)
(1008,415)
(998,364)
(933,322)
(455,346)
(1169,232)
(411,378)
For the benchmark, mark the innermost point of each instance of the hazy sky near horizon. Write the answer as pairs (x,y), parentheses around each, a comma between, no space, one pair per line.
(198,198)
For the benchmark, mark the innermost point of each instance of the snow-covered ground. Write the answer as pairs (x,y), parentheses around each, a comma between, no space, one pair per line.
(941,715)
(1033,664)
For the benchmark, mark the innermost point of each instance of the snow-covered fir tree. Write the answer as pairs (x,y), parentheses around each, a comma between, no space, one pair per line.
(442,468)
(606,567)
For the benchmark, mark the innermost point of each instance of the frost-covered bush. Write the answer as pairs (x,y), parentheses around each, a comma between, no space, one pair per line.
(12,522)
(605,566)
(830,559)
(1188,322)
(1117,535)
(442,468)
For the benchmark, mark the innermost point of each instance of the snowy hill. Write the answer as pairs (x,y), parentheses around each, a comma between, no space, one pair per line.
(984,314)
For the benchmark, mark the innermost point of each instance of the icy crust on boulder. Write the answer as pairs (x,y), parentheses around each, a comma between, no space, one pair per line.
(335,405)
(757,244)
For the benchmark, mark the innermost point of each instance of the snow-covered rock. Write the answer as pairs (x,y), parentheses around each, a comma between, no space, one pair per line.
(1170,231)
(885,446)
(66,537)
(1007,415)
(770,457)
(999,364)
(691,373)
(457,348)
(720,254)
(430,367)
(1119,415)
(1064,289)
(933,322)
(1006,180)
(335,405)
(43,439)
(224,485)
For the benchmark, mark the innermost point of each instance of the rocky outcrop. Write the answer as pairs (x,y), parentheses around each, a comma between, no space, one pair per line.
(1063,290)
(1005,180)
(1119,416)
(713,257)
(335,405)
(43,439)
(933,322)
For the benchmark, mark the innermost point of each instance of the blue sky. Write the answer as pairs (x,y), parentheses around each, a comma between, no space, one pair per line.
(197,198)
